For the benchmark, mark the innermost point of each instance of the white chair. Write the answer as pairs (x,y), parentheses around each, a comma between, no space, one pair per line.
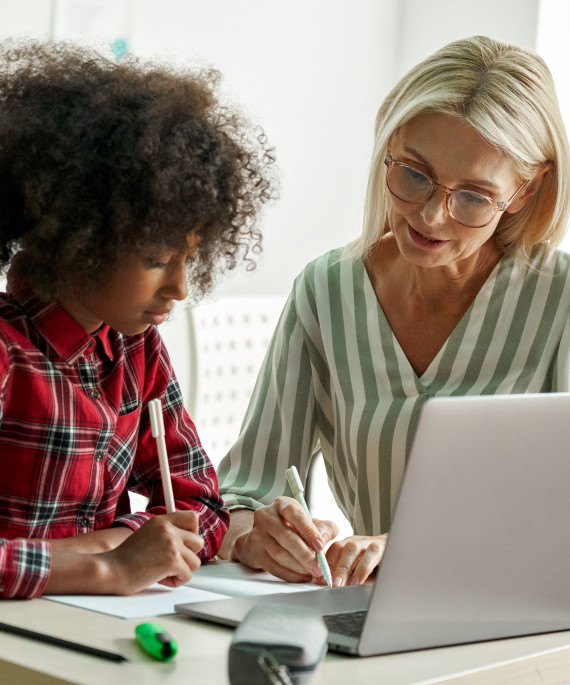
(216,350)
(229,339)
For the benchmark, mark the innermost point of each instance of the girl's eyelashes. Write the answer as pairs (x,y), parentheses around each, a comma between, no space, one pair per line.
(156,262)
(162,260)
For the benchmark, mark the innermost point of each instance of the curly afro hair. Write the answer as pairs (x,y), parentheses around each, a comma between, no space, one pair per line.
(99,158)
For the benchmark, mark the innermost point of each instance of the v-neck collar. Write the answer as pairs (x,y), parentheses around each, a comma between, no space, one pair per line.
(479,304)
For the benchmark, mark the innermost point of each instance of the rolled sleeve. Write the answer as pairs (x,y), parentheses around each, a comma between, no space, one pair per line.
(133,521)
(24,567)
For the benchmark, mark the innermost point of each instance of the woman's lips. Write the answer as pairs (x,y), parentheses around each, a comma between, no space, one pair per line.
(423,241)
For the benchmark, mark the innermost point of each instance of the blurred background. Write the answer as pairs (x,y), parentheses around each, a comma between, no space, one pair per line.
(312,73)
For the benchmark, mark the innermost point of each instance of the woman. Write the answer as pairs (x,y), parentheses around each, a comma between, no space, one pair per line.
(122,186)
(455,287)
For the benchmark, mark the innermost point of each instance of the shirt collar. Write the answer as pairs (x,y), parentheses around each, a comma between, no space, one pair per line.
(68,338)
(103,335)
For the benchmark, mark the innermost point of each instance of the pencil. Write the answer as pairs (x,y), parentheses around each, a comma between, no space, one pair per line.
(59,642)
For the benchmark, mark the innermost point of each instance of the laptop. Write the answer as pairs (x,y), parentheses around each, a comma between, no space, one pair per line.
(479,547)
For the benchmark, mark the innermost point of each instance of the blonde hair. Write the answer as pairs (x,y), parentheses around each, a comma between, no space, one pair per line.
(507,94)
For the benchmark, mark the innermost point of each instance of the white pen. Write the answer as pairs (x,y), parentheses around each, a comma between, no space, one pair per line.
(157,427)
(298,490)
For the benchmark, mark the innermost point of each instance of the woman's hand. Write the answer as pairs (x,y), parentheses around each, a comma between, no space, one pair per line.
(284,540)
(353,559)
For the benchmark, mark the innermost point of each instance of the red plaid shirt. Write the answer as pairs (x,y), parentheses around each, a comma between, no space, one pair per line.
(75,435)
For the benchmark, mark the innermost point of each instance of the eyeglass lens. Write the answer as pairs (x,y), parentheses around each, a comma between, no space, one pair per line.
(466,206)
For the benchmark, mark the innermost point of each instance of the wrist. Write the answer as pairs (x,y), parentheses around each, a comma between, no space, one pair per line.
(237,551)
(237,548)
(109,573)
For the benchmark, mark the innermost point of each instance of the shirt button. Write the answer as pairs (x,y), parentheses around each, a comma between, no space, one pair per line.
(85,520)
(94,394)
(99,455)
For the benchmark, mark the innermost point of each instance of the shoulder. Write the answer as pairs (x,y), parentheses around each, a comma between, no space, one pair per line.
(323,276)
(329,262)
(14,326)
(15,346)
(544,260)
(541,280)
(555,262)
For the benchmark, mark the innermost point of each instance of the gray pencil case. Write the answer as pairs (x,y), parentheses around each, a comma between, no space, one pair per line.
(277,644)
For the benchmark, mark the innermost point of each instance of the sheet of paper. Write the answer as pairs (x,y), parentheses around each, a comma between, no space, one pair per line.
(210,582)
(236,580)
(157,600)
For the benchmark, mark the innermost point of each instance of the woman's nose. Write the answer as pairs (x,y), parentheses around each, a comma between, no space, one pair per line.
(434,210)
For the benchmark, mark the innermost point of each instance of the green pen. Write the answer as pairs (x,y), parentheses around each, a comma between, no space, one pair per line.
(154,639)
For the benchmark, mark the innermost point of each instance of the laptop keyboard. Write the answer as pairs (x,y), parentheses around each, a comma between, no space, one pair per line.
(347,623)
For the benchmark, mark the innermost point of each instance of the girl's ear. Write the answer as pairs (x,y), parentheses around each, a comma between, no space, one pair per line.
(529,190)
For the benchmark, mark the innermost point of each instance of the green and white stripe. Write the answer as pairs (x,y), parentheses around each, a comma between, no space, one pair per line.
(336,379)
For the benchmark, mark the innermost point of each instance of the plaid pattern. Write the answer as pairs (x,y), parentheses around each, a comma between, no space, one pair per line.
(75,434)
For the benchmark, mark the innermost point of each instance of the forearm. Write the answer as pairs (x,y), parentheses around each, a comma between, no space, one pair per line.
(241,522)
(75,572)
(95,542)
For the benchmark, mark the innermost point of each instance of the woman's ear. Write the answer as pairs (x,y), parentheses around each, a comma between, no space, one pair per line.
(529,190)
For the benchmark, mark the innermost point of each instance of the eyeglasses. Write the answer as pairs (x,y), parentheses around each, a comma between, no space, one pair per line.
(467,207)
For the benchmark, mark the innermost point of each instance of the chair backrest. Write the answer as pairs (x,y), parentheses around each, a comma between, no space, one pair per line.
(216,349)
(231,337)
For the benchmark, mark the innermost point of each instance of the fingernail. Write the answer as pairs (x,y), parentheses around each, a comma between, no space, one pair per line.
(317,545)
(355,580)
(316,570)
(337,582)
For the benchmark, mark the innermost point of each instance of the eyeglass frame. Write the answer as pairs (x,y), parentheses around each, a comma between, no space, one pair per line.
(499,206)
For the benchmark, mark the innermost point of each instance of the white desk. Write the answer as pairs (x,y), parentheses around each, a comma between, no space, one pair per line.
(203,648)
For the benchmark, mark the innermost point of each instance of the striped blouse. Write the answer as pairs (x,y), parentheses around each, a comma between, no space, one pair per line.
(336,379)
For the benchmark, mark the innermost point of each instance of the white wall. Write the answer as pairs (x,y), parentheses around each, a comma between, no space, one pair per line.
(29,18)
(426,26)
(552,44)
(312,72)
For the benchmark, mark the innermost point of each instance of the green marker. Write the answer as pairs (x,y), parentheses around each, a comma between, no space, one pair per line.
(154,639)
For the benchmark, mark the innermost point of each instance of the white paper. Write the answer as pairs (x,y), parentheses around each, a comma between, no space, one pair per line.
(235,580)
(210,582)
(157,600)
